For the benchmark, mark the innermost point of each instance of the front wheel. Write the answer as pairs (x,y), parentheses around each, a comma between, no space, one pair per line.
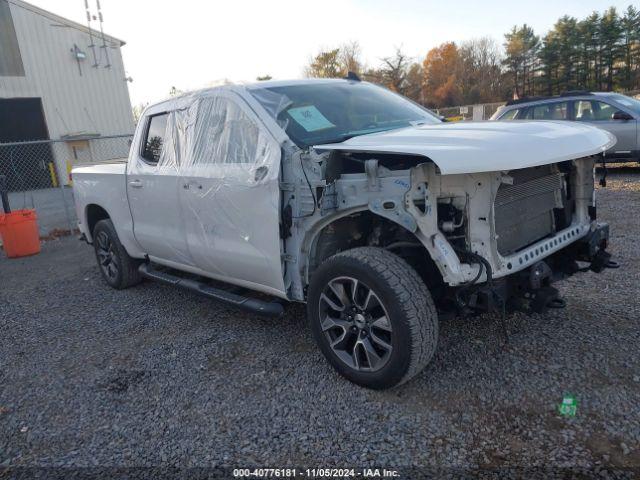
(373,317)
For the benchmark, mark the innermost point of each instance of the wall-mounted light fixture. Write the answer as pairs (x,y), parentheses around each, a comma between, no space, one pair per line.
(79,55)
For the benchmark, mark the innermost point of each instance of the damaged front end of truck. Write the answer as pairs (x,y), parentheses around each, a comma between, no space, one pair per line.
(480,240)
(489,214)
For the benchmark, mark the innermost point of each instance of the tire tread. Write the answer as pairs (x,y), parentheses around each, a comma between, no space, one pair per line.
(417,304)
(129,266)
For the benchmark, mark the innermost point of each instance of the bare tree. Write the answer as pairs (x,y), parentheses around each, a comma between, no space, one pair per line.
(336,62)
(480,72)
(326,64)
(175,92)
(351,57)
(394,70)
(137,111)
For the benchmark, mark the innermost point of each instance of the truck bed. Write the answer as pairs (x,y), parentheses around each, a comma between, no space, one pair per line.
(103,185)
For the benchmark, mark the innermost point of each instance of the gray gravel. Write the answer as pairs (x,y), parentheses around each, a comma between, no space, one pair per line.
(154,376)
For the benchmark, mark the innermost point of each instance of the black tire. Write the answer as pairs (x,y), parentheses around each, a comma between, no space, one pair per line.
(118,269)
(405,301)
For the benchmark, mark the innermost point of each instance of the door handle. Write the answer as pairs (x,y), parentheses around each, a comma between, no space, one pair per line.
(261,173)
(135,184)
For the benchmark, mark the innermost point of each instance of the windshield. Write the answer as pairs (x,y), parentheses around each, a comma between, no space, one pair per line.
(331,112)
(628,102)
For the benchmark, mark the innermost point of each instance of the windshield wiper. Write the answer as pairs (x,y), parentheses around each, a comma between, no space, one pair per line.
(357,133)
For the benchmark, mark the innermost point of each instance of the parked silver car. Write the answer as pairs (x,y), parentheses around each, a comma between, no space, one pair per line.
(614,112)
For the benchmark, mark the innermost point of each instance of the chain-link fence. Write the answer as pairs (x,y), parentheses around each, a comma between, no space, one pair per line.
(469,112)
(38,174)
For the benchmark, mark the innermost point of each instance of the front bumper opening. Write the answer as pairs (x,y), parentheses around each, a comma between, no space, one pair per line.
(530,290)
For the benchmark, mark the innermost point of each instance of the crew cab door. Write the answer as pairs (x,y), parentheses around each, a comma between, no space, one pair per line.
(599,113)
(230,196)
(152,191)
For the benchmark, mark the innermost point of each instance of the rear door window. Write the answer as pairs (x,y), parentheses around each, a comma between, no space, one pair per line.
(511,114)
(593,111)
(155,138)
(584,111)
(548,111)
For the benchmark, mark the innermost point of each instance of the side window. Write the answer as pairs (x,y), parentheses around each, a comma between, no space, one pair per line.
(602,111)
(593,111)
(225,133)
(548,111)
(510,115)
(155,138)
(584,111)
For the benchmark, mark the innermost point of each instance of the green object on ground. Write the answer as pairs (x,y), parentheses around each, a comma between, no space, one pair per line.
(569,406)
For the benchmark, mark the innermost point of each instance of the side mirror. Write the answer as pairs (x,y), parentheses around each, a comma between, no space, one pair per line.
(619,115)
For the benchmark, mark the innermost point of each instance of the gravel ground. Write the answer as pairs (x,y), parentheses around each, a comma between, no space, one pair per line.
(154,376)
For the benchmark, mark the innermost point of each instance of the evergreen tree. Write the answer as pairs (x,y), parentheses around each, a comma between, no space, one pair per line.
(630,27)
(521,50)
(589,33)
(549,65)
(610,46)
(566,34)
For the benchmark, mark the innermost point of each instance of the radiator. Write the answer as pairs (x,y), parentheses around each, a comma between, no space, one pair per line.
(524,211)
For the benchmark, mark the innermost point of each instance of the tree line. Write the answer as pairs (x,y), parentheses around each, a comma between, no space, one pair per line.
(600,52)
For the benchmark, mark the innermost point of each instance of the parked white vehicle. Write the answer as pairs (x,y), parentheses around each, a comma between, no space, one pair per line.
(353,199)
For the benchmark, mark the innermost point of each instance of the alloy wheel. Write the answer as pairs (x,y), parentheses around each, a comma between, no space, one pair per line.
(356,324)
(107,257)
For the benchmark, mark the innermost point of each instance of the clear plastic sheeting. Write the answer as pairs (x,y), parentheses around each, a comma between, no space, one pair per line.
(274,103)
(226,166)
(207,128)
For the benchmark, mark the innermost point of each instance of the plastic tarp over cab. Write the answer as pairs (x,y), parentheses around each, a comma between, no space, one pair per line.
(227,168)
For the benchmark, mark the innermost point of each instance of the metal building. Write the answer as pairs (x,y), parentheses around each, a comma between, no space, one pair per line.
(60,80)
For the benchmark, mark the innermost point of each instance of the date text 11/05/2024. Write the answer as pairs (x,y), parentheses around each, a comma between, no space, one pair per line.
(314,473)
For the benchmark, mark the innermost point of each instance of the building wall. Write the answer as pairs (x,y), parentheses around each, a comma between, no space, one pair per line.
(10,59)
(77,99)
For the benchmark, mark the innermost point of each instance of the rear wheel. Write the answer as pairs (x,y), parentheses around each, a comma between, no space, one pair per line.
(372,316)
(118,269)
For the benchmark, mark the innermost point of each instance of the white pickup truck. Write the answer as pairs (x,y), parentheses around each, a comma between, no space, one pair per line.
(353,199)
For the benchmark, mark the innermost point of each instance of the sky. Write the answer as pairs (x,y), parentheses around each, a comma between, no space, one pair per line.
(194,43)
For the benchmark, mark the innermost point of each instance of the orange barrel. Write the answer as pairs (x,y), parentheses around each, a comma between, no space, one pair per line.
(19,231)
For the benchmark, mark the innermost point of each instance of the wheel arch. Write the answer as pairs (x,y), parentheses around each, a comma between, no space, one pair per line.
(356,227)
(93,214)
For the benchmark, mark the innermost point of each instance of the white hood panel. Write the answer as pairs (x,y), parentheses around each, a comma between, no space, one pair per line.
(471,147)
